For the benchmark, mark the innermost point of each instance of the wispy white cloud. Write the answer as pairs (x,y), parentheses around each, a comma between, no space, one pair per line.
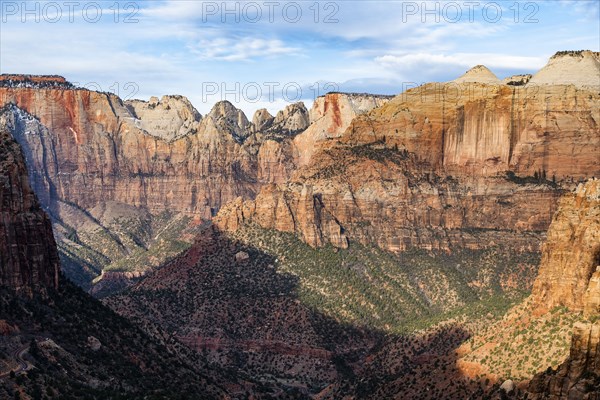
(240,49)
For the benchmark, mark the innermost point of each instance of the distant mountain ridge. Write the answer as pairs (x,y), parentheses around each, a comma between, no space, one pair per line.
(439,167)
(88,148)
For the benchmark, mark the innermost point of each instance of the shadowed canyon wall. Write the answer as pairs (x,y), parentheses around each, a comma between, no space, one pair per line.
(28,258)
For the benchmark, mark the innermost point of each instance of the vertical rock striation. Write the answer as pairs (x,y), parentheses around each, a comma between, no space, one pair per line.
(466,164)
(86,149)
(89,147)
(330,116)
(578,378)
(28,258)
(570,276)
(571,254)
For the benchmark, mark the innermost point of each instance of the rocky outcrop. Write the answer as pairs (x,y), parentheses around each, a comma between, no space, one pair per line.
(578,378)
(224,117)
(11,78)
(570,276)
(111,282)
(517,80)
(302,213)
(261,120)
(169,118)
(442,166)
(34,81)
(330,116)
(291,120)
(28,258)
(571,254)
(578,68)
(478,74)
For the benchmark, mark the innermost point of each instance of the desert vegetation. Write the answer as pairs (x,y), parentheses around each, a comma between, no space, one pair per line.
(367,286)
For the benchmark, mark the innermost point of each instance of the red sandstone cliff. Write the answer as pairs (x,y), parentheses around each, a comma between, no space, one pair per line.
(572,252)
(85,149)
(160,154)
(93,152)
(330,116)
(463,164)
(569,276)
(467,164)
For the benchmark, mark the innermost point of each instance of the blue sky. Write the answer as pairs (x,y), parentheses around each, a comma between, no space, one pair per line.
(284,50)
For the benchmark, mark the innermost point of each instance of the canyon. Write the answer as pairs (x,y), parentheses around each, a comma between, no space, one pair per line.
(433,363)
(89,151)
(370,247)
(442,166)
(246,312)
(488,160)
(51,332)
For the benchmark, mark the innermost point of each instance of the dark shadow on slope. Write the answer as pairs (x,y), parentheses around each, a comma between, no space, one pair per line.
(80,349)
(421,367)
(240,312)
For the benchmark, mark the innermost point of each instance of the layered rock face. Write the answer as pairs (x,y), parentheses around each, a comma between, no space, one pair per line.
(90,147)
(393,207)
(571,254)
(570,276)
(86,149)
(170,118)
(92,151)
(28,258)
(467,164)
(479,129)
(330,116)
(464,164)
